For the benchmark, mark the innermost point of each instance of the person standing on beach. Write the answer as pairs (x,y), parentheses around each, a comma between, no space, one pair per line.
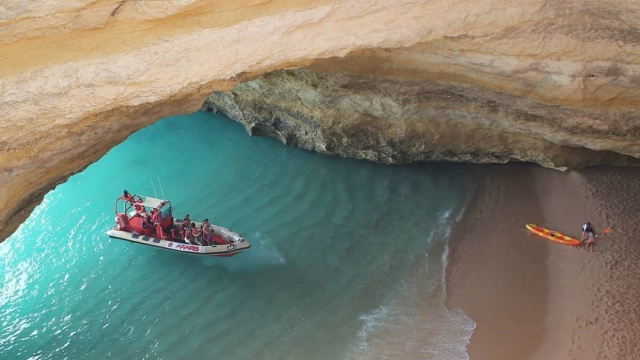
(588,236)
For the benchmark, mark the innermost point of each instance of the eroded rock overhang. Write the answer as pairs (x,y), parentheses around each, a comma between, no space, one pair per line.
(413,120)
(554,82)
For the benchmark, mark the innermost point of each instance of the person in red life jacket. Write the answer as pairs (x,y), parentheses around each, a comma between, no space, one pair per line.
(588,236)
(207,232)
(141,212)
(197,234)
(184,224)
(206,236)
(188,235)
(138,209)
(155,216)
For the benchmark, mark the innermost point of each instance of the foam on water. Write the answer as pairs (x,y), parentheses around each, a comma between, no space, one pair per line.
(417,324)
(347,257)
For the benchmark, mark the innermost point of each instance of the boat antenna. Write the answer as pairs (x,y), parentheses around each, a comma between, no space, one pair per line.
(154,187)
(161,189)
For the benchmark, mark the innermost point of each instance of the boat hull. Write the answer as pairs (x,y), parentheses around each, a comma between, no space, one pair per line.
(211,250)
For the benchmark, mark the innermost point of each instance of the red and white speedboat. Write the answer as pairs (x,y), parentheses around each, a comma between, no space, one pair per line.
(149,221)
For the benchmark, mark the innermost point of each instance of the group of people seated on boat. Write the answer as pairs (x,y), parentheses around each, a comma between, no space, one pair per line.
(150,218)
(192,234)
(187,231)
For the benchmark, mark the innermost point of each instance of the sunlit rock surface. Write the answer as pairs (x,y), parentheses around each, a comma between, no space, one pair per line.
(555,82)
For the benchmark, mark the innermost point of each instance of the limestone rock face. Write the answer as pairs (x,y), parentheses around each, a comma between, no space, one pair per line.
(403,121)
(554,82)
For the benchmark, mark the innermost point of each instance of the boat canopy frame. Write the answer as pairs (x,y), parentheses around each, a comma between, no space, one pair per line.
(130,200)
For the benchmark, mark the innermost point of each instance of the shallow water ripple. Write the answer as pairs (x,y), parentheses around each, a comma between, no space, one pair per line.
(337,268)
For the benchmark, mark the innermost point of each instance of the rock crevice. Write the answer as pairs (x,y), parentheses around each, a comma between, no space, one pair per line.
(401,121)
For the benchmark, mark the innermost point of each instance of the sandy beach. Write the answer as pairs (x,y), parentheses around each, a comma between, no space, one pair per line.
(535,299)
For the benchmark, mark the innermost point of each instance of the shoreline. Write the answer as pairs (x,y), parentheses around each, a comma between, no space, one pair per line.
(488,263)
(532,298)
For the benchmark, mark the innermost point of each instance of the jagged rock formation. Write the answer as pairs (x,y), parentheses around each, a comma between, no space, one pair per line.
(403,121)
(546,81)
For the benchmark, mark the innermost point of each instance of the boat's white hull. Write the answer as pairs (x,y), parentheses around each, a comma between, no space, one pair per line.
(212,250)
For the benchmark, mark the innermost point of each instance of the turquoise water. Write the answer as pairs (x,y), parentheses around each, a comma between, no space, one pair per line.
(347,257)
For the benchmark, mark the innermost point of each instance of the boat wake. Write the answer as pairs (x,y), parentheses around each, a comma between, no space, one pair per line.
(262,253)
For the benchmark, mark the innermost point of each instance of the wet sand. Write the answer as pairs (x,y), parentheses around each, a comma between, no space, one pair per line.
(532,298)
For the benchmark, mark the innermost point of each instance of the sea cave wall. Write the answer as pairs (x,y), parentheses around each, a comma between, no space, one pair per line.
(404,81)
(407,121)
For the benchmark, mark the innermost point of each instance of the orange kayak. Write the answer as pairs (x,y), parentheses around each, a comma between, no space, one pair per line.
(553,235)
